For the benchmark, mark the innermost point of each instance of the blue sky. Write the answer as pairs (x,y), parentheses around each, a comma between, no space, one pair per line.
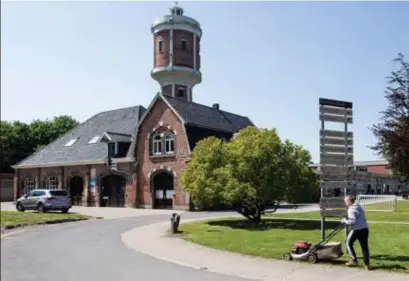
(270,61)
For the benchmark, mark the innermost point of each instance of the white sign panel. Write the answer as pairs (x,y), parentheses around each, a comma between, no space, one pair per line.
(336,177)
(336,149)
(335,118)
(337,169)
(336,134)
(334,184)
(325,141)
(336,111)
(337,159)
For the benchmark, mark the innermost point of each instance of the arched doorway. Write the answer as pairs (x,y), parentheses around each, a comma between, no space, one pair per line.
(76,190)
(162,190)
(113,191)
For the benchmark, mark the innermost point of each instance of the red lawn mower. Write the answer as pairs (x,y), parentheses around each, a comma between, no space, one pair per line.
(323,250)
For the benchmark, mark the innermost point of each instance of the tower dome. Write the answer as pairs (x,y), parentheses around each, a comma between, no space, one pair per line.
(176,53)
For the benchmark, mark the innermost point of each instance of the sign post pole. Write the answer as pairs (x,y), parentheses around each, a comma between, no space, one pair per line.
(336,159)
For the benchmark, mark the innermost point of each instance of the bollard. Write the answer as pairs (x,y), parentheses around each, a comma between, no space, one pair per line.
(174,223)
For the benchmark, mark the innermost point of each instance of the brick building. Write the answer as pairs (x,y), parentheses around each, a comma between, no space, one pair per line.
(372,177)
(135,156)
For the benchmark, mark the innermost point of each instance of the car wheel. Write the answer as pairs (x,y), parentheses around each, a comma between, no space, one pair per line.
(20,207)
(41,208)
(64,211)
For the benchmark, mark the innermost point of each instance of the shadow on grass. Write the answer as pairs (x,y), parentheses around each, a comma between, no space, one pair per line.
(267,224)
(390,258)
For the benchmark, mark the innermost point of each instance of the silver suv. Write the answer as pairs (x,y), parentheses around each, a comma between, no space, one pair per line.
(44,200)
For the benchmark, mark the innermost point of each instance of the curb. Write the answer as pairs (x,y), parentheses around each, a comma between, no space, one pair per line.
(21,225)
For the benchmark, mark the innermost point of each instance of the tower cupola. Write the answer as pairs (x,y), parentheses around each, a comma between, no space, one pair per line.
(176,64)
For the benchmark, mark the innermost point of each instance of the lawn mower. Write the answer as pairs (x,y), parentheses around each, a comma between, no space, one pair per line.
(323,250)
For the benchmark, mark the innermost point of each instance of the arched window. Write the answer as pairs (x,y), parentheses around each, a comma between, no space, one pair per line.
(157,145)
(160,46)
(180,93)
(52,183)
(183,44)
(29,185)
(170,143)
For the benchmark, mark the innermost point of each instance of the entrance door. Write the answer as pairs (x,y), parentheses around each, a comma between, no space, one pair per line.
(76,190)
(113,191)
(162,190)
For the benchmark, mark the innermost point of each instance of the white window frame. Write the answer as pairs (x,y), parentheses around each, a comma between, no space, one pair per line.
(94,140)
(71,142)
(29,185)
(52,183)
(157,145)
(170,138)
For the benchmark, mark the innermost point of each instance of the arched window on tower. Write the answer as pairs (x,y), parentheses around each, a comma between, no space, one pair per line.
(180,93)
(170,143)
(160,46)
(157,145)
(183,45)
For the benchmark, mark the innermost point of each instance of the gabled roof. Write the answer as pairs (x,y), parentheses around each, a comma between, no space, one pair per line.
(119,122)
(115,137)
(207,117)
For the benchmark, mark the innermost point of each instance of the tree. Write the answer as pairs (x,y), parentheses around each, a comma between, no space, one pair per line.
(392,133)
(19,140)
(252,171)
(204,176)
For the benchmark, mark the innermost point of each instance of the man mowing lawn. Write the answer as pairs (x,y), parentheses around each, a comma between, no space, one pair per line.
(357,221)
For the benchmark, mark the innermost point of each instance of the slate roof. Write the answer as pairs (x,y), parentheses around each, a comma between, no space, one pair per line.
(121,125)
(208,117)
(117,122)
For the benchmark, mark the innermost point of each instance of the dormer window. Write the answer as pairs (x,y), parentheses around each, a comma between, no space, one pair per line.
(183,45)
(71,142)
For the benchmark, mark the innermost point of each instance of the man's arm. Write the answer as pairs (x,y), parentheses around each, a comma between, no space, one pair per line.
(352,217)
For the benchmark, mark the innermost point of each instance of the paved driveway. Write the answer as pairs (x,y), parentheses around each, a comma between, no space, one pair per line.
(89,250)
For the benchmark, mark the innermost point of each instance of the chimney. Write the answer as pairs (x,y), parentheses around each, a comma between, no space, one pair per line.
(216,105)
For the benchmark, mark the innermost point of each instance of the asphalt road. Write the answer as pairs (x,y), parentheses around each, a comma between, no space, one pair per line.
(89,250)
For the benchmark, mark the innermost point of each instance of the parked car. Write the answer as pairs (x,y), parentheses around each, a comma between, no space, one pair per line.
(44,200)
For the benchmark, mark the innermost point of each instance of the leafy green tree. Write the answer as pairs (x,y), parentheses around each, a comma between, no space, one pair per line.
(392,132)
(252,171)
(19,140)
(205,176)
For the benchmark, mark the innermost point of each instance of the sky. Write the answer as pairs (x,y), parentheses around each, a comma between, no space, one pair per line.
(270,61)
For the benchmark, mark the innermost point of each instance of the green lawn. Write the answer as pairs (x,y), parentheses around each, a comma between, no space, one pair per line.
(274,237)
(401,215)
(16,218)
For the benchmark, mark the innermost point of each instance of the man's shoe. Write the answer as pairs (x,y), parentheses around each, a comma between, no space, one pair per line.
(367,267)
(352,263)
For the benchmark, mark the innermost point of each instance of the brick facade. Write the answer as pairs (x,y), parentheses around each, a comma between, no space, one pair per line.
(64,175)
(182,57)
(162,58)
(161,119)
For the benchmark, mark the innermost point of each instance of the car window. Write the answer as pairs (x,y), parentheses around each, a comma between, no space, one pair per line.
(34,194)
(30,194)
(40,193)
(58,193)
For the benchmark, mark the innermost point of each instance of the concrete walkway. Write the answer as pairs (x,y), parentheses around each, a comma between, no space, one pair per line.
(153,240)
